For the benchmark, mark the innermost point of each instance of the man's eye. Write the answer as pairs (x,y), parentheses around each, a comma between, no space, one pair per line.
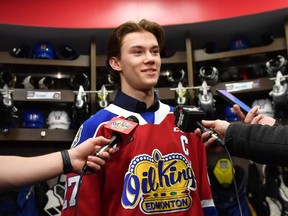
(155,51)
(137,52)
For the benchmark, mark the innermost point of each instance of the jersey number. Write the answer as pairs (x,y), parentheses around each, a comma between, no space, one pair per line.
(72,182)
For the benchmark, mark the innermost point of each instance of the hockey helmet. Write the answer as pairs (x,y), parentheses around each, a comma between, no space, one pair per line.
(267,38)
(33,119)
(239,42)
(80,79)
(211,47)
(276,64)
(46,82)
(66,52)
(176,75)
(7,78)
(22,51)
(7,110)
(58,119)
(43,50)
(265,107)
(209,74)
(230,73)
(28,82)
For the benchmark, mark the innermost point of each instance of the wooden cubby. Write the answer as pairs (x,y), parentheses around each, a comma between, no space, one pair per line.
(188,56)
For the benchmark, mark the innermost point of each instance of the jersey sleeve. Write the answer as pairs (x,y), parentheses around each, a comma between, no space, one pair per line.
(81,194)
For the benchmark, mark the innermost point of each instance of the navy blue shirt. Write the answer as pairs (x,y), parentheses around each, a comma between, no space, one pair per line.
(129,103)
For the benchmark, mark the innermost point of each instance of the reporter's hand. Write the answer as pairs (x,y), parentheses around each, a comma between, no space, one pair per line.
(220,127)
(253,116)
(84,153)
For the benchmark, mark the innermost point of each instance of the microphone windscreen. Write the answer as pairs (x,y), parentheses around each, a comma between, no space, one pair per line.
(186,117)
(122,127)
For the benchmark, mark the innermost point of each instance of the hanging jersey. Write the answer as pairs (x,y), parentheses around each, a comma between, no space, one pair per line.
(162,170)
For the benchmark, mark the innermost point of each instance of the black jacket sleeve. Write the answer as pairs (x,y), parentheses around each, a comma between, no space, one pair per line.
(259,143)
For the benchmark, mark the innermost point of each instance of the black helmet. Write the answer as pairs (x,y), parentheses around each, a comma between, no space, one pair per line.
(22,51)
(276,64)
(7,78)
(78,80)
(66,52)
(209,74)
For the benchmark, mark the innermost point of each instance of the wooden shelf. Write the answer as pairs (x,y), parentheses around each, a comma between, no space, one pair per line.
(178,57)
(277,45)
(81,61)
(65,95)
(34,134)
(262,84)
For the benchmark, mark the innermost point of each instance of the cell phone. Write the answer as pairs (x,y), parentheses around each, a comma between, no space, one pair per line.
(230,98)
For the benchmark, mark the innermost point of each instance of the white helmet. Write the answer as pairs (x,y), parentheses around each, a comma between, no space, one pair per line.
(28,82)
(58,119)
(265,107)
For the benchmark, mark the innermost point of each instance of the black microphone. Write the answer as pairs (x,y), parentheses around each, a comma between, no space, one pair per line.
(187,119)
(122,131)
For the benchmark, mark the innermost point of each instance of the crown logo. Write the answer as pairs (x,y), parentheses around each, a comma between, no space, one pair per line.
(163,183)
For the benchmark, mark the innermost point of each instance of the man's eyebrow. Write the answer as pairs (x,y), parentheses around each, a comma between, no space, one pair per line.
(139,46)
(136,46)
(156,46)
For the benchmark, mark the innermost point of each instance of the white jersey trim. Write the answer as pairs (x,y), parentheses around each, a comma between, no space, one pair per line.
(159,115)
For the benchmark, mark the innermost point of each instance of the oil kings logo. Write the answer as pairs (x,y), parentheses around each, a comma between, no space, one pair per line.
(159,183)
(120,125)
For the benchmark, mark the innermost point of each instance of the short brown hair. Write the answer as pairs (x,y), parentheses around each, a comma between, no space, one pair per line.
(115,41)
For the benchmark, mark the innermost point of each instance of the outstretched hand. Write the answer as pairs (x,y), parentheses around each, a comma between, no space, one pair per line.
(220,126)
(84,154)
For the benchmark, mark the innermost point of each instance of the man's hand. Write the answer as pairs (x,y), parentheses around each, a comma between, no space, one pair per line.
(84,153)
(253,116)
(219,126)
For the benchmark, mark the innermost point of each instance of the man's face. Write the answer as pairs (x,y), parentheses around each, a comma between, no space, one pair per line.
(139,64)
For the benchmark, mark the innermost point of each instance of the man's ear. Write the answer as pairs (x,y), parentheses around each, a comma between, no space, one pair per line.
(115,64)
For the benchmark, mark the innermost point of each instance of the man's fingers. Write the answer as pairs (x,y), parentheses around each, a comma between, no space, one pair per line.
(205,137)
(101,140)
(103,155)
(209,141)
(96,163)
(237,110)
(251,115)
(256,119)
(208,123)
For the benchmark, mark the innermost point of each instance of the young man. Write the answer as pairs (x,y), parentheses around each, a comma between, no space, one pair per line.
(162,170)
(21,171)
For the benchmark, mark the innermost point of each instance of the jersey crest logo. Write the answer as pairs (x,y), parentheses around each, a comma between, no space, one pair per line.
(159,183)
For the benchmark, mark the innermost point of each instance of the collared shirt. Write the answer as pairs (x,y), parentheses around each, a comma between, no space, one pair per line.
(134,105)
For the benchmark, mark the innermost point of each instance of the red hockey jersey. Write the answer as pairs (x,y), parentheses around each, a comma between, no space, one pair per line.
(162,170)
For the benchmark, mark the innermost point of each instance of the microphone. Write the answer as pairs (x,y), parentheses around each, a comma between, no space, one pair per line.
(122,131)
(187,119)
